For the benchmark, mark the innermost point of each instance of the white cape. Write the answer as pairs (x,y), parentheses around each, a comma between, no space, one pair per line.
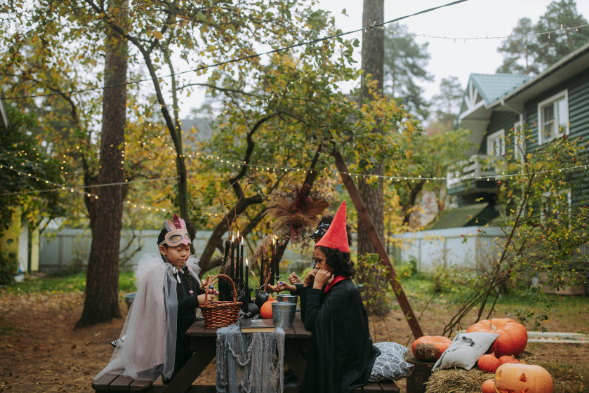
(147,344)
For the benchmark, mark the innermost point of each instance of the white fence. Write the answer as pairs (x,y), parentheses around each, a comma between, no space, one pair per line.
(69,249)
(446,247)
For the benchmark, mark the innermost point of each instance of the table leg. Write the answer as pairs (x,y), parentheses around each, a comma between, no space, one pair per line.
(205,353)
(295,360)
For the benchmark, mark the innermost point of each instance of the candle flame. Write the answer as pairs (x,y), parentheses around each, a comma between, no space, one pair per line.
(246,262)
(242,240)
(274,241)
(232,238)
(238,233)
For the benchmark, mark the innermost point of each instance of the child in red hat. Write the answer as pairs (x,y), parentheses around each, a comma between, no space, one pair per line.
(340,355)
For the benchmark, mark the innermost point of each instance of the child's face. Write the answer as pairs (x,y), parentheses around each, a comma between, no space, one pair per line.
(178,255)
(320,261)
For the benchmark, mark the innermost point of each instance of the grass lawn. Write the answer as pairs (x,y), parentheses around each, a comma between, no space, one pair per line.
(63,284)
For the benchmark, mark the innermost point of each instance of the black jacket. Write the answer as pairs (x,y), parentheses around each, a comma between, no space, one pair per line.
(340,355)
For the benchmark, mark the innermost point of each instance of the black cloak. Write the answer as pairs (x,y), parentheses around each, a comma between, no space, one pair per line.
(340,355)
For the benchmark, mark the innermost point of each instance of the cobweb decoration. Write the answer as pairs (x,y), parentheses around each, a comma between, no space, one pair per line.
(249,363)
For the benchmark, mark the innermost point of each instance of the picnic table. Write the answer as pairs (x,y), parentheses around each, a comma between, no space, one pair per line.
(203,341)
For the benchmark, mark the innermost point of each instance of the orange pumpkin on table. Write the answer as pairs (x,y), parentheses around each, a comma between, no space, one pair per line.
(522,378)
(430,348)
(488,386)
(513,336)
(489,363)
(266,310)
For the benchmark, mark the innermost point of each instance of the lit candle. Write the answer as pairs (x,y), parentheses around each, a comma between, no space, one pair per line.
(237,260)
(247,290)
(271,268)
(232,275)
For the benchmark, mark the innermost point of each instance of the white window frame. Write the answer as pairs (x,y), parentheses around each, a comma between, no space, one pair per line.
(491,147)
(552,197)
(518,133)
(557,97)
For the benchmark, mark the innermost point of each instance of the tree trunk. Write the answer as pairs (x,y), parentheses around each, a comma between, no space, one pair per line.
(102,281)
(372,64)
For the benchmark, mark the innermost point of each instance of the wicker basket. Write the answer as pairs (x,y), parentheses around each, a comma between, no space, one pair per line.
(218,314)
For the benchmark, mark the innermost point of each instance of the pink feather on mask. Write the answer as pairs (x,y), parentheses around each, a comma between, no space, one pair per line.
(177,222)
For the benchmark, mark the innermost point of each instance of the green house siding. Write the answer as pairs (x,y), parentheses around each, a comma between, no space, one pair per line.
(499,121)
(578,101)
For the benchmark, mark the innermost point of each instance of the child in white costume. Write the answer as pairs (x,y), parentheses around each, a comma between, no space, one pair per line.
(153,340)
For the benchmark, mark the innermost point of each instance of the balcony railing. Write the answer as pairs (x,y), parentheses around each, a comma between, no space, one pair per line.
(477,166)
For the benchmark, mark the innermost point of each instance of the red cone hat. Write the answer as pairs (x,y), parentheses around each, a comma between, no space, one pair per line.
(336,236)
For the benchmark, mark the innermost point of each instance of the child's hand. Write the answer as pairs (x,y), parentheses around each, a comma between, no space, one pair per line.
(321,278)
(282,286)
(201,299)
(294,279)
(310,278)
(205,284)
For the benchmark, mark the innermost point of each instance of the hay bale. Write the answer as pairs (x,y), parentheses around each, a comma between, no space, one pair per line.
(455,380)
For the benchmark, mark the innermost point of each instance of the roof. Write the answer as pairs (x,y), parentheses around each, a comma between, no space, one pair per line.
(461,217)
(574,63)
(494,86)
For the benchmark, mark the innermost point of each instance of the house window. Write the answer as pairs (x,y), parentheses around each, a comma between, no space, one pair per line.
(496,144)
(557,206)
(554,117)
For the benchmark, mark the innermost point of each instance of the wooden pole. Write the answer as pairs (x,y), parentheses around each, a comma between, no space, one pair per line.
(377,243)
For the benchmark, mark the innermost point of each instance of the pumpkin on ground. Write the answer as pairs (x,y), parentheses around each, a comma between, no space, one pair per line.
(430,348)
(488,363)
(508,359)
(513,336)
(266,310)
(522,378)
(488,386)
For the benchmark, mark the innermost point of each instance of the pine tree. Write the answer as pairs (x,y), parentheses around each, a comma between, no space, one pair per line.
(519,54)
(533,48)
(553,47)
(448,101)
(404,66)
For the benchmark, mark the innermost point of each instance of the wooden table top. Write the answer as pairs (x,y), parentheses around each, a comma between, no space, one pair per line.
(298,329)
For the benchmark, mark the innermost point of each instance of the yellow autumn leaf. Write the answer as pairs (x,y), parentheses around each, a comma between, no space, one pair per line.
(158,35)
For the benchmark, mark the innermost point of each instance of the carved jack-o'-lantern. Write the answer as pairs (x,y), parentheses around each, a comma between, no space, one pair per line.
(522,378)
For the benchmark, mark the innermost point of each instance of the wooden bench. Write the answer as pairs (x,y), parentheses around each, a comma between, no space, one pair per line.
(118,383)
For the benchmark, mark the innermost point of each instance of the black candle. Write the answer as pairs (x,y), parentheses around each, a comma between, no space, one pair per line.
(271,269)
(223,283)
(275,252)
(262,271)
(237,261)
(232,275)
(246,301)
(242,258)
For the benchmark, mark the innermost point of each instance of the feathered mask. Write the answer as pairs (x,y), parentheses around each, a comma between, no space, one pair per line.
(177,232)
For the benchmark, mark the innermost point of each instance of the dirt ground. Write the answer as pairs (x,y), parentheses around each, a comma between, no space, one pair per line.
(40,351)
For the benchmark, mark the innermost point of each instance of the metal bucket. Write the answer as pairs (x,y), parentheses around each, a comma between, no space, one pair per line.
(283,314)
(288,298)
